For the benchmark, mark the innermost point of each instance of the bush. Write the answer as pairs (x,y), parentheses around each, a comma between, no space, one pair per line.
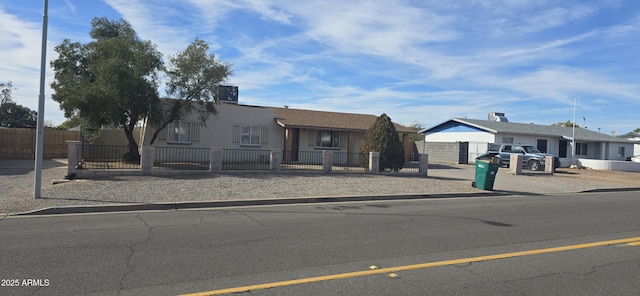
(382,137)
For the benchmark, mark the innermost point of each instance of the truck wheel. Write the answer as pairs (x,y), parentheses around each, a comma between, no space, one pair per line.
(534,165)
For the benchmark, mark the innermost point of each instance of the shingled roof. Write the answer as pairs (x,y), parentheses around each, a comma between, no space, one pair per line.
(538,130)
(298,118)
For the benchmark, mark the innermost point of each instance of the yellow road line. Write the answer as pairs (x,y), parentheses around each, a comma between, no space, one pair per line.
(634,243)
(630,241)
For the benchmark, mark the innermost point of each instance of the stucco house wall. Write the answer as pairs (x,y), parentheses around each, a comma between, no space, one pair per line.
(223,129)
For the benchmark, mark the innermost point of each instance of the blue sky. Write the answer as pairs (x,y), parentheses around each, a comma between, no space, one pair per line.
(417,61)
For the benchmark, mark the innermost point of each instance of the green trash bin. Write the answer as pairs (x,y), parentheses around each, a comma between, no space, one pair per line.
(486,170)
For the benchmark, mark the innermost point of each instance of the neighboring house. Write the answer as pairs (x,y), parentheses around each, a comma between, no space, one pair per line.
(635,138)
(472,136)
(295,131)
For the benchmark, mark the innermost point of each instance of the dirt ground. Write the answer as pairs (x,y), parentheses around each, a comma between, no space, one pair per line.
(631,179)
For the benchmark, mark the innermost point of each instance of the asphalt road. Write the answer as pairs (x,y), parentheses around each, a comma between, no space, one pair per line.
(411,243)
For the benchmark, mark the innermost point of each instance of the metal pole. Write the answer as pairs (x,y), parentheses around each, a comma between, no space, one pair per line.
(40,127)
(573,147)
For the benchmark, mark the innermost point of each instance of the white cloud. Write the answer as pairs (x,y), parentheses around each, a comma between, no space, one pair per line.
(369,27)
(20,63)
(72,8)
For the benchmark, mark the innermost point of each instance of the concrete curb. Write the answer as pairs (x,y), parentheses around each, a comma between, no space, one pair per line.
(86,209)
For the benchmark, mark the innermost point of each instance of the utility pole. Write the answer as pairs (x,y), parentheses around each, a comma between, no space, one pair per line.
(37,184)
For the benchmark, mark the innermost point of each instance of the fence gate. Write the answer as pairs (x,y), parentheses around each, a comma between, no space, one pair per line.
(463,153)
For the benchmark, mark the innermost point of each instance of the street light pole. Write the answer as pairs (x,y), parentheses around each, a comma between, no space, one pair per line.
(37,184)
(573,147)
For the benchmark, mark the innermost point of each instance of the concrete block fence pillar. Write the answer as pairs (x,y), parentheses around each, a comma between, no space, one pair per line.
(423,166)
(374,162)
(215,157)
(148,158)
(275,160)
(327,161)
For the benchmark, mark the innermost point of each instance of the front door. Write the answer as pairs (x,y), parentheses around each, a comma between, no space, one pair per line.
(562,152)
(295,144)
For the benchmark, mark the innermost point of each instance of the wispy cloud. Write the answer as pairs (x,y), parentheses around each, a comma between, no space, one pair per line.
(72,8)
(414,60)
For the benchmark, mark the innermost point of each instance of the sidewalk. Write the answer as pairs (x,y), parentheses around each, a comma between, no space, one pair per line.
(236,189)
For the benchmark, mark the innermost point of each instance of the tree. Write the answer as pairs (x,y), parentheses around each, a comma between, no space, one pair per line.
(568,123)
(382,137)
(12,114)
(110,81)
(5,92)
(416,126)
(193,76)
(636,130)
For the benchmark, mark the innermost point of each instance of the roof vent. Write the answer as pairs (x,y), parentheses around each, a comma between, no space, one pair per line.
(496,116)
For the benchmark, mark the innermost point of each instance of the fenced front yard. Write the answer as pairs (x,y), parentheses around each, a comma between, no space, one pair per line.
(93,160)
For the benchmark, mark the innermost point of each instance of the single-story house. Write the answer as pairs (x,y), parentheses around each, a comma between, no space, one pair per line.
(294,131)
(635,138)
(468,138)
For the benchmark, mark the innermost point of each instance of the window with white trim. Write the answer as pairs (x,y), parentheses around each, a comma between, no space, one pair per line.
(581,149)
(507,140)
(250,134)
(620,151)
(179,131)
(327,139)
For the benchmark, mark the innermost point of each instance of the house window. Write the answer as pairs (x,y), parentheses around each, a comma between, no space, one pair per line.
(328,139)
(250,135)
(507,140)
(620,151)
(179,132)
(581,149)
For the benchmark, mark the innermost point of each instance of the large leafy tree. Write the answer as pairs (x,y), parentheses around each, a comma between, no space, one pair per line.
(382,137)
(194,74)
(12,114)
(110,81)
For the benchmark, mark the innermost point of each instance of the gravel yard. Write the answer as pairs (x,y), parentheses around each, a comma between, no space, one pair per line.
(17,178)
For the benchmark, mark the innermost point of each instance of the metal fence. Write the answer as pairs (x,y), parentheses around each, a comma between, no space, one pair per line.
(245,159)
(302,161)
(343,161)
(113,157)
(411,163)
(106,157)
(182,158)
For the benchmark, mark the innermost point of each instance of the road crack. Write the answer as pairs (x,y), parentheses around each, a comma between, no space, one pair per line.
(251,218)
(132,252)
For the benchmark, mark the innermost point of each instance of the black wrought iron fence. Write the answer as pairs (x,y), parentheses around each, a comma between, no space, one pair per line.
(302,161)
(345,161)
(107,157)
(245,159)
(182,158)
(411,163)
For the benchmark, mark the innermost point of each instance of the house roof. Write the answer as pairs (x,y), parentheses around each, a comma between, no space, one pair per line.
(630,136)
(531,129)
(298,118)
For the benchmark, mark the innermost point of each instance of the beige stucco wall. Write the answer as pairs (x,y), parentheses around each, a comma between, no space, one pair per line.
(219,130)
